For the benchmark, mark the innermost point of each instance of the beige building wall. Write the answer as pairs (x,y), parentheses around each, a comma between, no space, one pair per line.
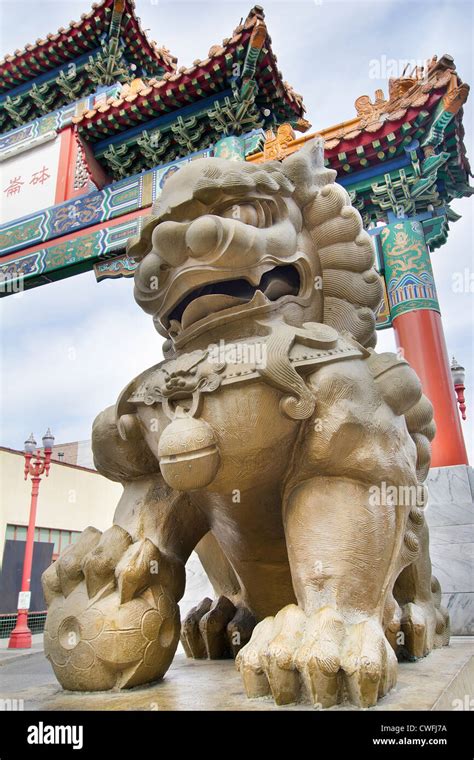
(71,498)
(75,452)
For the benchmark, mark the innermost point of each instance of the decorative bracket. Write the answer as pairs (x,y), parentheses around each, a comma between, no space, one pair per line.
(188,132)
(236,114)
(120,159)
(153,145)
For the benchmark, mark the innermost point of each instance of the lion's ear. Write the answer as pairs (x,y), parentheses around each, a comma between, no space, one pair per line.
(305,168)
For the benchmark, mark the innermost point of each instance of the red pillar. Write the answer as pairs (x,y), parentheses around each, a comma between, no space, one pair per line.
(420,335)
(66,155)
(414,310)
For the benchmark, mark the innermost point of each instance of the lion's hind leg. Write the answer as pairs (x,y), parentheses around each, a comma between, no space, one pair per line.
(424,623)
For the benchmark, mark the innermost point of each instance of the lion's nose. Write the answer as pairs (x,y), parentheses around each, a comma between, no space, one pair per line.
(169,242)
(204,235)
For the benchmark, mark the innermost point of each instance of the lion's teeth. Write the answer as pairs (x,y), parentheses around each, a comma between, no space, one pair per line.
(175,327)
(253,278)
(259,299)
(209,304)
(277,288)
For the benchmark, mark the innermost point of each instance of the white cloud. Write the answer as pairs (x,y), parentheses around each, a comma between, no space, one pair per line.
(80,345)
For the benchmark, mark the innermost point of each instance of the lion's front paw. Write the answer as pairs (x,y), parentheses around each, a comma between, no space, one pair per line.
(318,658)
(111,622)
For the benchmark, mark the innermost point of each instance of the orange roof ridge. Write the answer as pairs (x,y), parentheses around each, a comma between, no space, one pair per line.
(405,92)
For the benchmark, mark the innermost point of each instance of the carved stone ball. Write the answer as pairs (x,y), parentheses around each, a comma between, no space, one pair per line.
(188,454)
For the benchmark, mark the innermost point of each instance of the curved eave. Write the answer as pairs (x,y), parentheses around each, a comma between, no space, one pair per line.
(189,85)
(78,38)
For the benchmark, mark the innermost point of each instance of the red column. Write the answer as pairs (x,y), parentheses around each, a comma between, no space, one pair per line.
(420,335)
(414,310)
(66,156)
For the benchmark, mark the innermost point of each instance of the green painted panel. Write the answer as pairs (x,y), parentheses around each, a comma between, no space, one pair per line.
(408,273)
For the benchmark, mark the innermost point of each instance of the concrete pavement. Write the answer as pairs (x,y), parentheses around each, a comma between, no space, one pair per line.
(10,655)
(434,682)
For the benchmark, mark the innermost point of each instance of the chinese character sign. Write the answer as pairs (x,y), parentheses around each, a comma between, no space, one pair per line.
(28,181)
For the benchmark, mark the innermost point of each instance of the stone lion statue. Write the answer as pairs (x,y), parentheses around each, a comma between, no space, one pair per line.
(273,440)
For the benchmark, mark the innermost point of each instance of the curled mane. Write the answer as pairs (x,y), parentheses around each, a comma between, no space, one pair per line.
(352,289)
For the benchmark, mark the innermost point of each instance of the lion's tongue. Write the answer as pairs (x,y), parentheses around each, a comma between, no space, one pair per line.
(209,304)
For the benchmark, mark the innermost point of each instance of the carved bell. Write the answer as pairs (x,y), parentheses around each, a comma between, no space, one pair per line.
(188,454)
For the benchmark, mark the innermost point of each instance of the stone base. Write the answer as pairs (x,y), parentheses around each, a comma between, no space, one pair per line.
(442,681)
(450,516)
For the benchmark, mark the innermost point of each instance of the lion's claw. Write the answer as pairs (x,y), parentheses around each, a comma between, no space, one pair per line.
(319,658)
(216,630)
(111,622)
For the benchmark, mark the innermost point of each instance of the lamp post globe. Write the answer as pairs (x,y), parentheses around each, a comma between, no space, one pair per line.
(48,440)
(30,445)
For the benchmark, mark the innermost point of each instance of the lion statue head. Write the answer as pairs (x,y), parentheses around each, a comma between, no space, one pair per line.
(231,245)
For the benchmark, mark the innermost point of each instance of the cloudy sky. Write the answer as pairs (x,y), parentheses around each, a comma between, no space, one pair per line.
(67,349)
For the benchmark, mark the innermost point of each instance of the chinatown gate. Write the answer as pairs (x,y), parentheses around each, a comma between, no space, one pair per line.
(95,118)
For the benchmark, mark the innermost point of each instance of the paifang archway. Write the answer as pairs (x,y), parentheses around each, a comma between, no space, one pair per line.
(96,117)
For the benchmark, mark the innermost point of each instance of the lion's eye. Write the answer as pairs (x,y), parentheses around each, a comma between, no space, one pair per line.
(243,212)
(258,212)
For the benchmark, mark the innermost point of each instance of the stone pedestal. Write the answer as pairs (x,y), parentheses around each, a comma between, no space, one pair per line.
(450,516)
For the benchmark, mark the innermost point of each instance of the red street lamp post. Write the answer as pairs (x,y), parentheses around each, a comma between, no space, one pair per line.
(20,637)
(459,375)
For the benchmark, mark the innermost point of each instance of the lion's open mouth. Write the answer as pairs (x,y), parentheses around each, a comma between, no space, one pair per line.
(218,296)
